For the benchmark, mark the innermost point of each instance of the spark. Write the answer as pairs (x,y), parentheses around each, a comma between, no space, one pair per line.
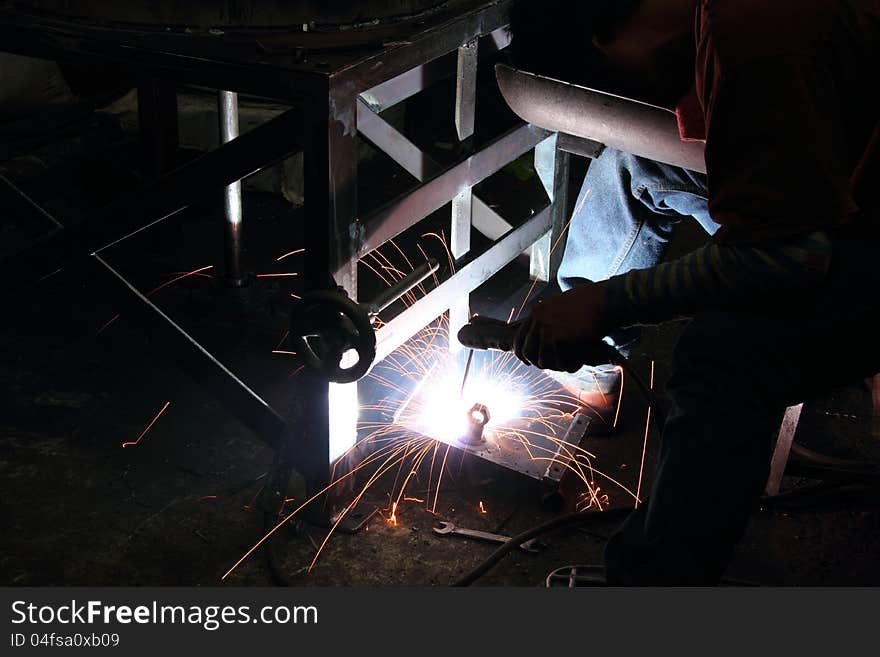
(552,250)
(149,426)
(283,351)
(278,275)
(288,254)
(423,408)
(158,288)
(645,441)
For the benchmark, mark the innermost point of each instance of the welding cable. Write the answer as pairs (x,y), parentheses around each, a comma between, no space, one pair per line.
(270,551)
(550,525)
(846,465)
(657,413)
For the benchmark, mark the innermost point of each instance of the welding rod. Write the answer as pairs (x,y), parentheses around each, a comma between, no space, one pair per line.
(467,370)
(402,287)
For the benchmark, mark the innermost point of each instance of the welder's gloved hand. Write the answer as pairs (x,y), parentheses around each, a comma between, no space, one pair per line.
(565,332)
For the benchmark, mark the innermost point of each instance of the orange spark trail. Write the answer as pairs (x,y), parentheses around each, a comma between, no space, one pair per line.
(286,255)
(149,426)
(552,249)
(156,289)
(289,273)
(645,442)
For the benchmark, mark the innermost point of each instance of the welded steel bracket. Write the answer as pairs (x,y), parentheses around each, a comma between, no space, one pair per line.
(337,95)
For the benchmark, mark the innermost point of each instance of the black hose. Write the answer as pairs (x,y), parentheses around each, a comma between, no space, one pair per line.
(519,539)
(657,413)
(817,458)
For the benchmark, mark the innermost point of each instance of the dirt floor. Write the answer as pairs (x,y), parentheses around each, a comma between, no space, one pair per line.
(181,506)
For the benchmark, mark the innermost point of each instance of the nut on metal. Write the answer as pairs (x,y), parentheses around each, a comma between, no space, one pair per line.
(477,419)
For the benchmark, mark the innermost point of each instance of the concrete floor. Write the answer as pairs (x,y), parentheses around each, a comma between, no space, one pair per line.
(78,509)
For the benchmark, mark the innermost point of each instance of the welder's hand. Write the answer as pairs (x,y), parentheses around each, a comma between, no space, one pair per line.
(565,332)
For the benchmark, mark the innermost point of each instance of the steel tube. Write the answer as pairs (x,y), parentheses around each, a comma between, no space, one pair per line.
(622,123)
(227,106)
(403,286)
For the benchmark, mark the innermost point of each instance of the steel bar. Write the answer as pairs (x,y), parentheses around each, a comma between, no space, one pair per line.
(483,20)
(262,146)
(588,148)
(402,287)
(465,280)
(14,198)
(421,166)
(462,203)
(235,395)
(184,350)
(551,165)
(408,84)
(783,447)
(227,112)
(392,219)
(393,143)
(330,168)
(622,123)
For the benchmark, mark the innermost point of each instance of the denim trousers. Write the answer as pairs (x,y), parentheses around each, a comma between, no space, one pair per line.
(734,372)
(625,215)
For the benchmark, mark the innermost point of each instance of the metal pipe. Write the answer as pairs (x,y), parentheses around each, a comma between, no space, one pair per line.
(402,287)
(227,106)
(622,123)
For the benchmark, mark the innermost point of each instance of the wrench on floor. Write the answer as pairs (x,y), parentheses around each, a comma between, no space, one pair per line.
(449,529)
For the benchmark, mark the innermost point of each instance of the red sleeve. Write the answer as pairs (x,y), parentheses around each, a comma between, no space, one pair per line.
(776,138)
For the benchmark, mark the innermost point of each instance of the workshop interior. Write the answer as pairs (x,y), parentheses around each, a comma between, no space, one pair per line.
(264,263)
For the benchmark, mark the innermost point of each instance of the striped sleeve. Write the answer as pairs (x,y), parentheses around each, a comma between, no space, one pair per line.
(717,276)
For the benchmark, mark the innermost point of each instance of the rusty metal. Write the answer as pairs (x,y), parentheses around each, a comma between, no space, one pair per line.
(783,447)
(622,123)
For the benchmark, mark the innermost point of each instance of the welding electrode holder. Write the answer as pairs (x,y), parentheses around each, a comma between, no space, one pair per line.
(324,326)
(498,335)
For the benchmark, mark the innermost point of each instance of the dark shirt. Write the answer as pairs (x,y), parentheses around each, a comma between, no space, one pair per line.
(787,89)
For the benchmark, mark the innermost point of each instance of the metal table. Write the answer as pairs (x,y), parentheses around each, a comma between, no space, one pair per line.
(339,92)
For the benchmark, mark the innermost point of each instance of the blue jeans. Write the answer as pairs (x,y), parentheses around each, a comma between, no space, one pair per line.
(625,215)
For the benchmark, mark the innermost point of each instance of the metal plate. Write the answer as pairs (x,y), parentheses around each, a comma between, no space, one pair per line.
(530,414)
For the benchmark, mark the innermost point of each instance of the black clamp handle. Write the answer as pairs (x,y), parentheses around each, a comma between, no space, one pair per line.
(325,325)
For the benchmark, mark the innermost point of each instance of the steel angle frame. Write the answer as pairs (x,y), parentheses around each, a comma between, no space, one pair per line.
(337,103)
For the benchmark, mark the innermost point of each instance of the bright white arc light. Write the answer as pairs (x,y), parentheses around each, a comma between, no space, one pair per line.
(438,409)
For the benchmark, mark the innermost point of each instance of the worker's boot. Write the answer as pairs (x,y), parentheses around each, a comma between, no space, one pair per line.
(597,391)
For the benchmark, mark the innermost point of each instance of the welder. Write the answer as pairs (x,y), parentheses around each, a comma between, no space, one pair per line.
(781,301)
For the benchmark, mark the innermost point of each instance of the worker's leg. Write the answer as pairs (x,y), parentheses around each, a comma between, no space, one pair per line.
(714,459)
(734,374)
(625,215)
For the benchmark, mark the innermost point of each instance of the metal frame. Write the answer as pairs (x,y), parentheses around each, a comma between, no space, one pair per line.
(340,97)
